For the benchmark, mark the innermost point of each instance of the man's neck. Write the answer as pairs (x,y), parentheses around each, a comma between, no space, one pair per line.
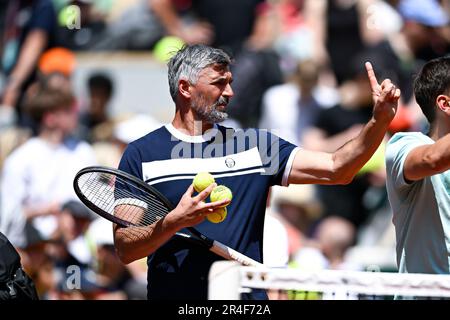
(440,129)
(189,124)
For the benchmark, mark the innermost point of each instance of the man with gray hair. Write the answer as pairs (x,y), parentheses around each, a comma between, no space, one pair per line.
(248,162)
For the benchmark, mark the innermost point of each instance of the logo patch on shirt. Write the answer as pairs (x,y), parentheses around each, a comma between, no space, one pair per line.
(230,163)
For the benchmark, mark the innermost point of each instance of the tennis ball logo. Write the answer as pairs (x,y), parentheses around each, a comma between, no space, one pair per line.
(221,193)
(202,181)
(70,17)
(218,215)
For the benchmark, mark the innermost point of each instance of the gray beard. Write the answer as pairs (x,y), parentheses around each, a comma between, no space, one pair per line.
(211,114)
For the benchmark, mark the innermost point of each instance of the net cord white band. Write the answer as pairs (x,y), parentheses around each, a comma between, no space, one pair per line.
(332,281)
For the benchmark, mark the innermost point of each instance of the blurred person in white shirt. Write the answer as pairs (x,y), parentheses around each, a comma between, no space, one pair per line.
(37,177)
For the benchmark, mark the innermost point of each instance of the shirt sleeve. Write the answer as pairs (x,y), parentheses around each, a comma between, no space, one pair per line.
(131,161)
(43,17)
(277,156)
(397,150)
(125,193)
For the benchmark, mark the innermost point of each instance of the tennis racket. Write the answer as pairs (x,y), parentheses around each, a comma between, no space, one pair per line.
(127,201)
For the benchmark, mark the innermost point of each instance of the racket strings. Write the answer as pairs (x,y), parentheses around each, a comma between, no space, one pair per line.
(138,209)
(120,197)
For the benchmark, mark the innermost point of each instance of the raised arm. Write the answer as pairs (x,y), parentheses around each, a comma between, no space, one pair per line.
(33,46)
(133,243)
(196,32)
(428,160)
(341,166)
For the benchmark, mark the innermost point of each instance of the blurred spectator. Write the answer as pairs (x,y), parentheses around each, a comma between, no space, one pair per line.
(55,69)
(73,250)
(335,236)
(38,264)
(57,60)
(298,210)
(37,176)
(342,31)
(121,131)
(80,27)
(422,37)
(425,22)
(73,223)
(10,139)
(256,66)
(133,127)
(116,280)
(95,123)
(332,239)
(338,124)
(29,29)
(137,28)
(291,108)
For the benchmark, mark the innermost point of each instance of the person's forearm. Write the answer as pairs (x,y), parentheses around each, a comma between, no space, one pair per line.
(352,156)
(34,45)
(35,211)
(438,156)
(133,243)
(371,34)
(428,160)
(167,15)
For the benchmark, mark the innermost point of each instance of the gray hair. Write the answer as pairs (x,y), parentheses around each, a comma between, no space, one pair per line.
(189,61)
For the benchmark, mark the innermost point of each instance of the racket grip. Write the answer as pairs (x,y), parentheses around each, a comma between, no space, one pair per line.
(230,254)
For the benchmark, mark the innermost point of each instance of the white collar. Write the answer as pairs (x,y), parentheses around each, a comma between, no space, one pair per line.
(208,135)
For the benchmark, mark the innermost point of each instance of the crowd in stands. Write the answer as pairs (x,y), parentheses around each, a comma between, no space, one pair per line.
(298,69)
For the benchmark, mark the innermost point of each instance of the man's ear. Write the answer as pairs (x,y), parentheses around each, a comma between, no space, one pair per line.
(443,102)
(184,87)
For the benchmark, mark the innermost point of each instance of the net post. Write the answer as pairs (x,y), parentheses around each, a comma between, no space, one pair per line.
(224,281)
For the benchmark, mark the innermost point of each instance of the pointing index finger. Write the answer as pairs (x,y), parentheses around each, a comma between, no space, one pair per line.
(372,78)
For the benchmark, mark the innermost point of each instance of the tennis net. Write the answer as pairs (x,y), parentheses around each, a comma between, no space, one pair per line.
(228,280)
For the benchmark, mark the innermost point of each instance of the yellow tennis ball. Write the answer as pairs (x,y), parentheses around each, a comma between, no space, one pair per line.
(376,161)
(202,181)
(68,16)
(217,216)
(166,47)
(220,193)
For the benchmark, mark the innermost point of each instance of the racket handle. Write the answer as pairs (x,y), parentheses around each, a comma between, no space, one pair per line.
(230,254)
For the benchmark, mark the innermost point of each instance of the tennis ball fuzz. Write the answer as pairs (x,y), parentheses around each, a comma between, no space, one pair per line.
(202,181)
(221,193)
(217,215)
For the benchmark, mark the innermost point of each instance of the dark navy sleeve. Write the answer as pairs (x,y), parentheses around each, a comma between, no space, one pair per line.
(277,156)
(130,194)
(131,162)
(43,17)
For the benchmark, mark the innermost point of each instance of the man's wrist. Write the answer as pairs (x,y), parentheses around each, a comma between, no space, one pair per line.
(169,223)
(383,120)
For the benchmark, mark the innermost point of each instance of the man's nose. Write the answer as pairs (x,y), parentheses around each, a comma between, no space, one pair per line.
(228,92)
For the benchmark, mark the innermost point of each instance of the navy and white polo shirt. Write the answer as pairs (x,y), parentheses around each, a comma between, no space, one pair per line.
(246,161)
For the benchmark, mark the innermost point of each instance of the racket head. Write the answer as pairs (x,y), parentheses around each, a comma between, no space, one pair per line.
(120,197)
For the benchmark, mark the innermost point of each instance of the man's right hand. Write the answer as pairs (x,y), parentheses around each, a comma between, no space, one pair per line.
(193,210)
(385,96)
